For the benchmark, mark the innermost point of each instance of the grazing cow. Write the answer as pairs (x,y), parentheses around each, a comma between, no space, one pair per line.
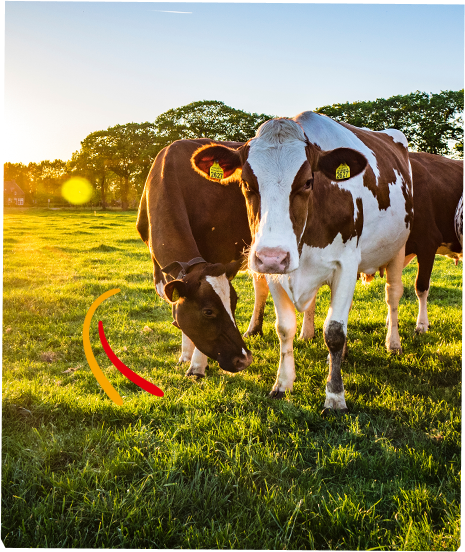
(325,201)
(194,228)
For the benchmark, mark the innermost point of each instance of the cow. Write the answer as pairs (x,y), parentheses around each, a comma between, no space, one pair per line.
(196,231)
(326,200)
(437,192)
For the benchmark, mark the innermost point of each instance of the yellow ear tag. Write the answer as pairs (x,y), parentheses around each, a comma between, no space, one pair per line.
(343,171)
(216,171)
(175,295)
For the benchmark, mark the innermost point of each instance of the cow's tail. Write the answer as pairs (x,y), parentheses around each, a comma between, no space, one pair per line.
(142,223)
(458,221)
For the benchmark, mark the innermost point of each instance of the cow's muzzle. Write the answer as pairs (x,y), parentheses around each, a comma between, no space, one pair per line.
(272,260)
(236,363)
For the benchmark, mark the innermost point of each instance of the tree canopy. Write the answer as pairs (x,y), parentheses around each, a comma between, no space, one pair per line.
(428,121)
(207,119)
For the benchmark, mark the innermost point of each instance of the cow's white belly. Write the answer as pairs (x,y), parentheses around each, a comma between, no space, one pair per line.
(384,232)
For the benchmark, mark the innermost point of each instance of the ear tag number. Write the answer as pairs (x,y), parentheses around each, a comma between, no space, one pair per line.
(175,295)
(342,172)
(216,171)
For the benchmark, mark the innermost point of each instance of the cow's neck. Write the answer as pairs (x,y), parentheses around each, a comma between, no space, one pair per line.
(334,212)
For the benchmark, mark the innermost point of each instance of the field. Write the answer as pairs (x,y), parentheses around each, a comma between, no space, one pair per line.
(215,463)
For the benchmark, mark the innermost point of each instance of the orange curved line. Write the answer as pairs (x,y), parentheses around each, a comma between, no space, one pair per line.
(99,375)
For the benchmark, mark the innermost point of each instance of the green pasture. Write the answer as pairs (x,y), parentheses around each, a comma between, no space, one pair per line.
(215,463)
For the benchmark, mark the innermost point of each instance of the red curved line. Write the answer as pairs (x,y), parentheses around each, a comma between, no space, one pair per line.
(138,380)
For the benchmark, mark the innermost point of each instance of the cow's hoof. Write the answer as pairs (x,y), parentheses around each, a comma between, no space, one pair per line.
(421,329)
(254,331)
(305,337)
(191,372)
(275,394)
(396,350)
(326,412)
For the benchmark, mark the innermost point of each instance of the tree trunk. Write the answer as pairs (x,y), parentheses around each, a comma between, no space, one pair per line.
(103,192)
(124,193)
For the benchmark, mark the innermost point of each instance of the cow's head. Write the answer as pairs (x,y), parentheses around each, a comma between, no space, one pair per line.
(204,303)
(277,171)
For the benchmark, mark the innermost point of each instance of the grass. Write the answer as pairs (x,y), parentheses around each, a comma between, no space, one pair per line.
(214,463)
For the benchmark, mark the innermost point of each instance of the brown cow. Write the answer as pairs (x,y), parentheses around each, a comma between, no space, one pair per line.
(437,189)
(194,228)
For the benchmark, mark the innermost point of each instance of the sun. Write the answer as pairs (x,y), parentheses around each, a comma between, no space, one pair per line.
(77,190)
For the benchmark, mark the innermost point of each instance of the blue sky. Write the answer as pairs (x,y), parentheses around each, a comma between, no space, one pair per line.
(72,68)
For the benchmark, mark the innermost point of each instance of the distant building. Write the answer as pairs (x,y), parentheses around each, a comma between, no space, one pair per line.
(12,194)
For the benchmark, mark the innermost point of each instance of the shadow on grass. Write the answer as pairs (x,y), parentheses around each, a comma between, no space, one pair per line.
(105,248)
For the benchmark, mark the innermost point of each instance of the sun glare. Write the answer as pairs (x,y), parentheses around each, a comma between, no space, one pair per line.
(77,190)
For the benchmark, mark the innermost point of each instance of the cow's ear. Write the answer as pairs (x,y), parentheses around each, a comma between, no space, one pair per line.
(341,163)
(174,290)
(216,162)
(232,269)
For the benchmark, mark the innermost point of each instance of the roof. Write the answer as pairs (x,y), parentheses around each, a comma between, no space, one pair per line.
(10,187)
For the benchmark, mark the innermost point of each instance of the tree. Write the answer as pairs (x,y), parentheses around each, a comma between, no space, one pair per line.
(92,160)
(133,148)
(125,150)
(207,119)
(429,121)
(51,176)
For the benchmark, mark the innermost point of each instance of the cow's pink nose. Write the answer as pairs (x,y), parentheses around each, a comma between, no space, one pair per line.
(272,260)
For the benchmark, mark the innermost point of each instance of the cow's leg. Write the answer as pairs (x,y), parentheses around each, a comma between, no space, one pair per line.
(286,326)
(394,290)
(335,332)
(308,325)
(422,282)
(187,349)
(261,293)
(198,364)
(407,260)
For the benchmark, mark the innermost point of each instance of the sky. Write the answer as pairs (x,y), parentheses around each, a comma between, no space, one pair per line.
(72,68)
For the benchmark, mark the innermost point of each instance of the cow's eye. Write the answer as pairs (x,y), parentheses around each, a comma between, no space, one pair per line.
(309,184)
(209,313)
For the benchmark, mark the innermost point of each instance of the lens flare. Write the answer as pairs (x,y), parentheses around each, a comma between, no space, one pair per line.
(77,190)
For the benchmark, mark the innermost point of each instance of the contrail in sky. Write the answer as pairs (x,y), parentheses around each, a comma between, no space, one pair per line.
(169,11)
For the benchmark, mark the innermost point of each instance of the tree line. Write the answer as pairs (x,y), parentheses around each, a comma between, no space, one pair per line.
(117,160)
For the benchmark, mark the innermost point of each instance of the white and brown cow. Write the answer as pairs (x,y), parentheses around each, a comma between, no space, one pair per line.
(194,229)
(326,201)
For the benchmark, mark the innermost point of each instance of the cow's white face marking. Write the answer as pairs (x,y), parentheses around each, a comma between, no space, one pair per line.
(220,285)
(275,156)
(160,287)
